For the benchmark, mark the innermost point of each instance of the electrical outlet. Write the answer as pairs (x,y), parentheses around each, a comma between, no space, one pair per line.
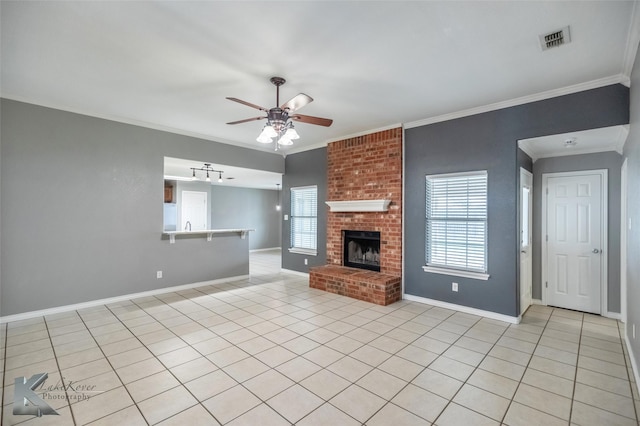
(454,286)
(286,217)
(159,274)
(306,261)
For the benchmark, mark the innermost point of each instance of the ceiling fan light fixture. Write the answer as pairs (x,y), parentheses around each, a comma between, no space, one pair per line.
(264,139)
(291,134)
(284,140)
(269,131)
(267,134)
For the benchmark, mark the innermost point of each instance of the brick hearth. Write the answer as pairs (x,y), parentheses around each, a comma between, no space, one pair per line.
(374,287)
(366,167)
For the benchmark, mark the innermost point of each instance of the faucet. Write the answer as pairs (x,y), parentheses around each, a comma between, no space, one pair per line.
(187,225)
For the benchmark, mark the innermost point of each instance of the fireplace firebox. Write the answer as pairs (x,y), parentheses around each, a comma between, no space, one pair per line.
(362,250)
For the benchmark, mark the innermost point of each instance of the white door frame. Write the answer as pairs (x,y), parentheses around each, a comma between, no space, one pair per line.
(604,205)
(528,174)
(624,229)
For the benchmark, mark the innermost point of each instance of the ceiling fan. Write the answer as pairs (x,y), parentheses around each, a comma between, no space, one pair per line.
(280,119)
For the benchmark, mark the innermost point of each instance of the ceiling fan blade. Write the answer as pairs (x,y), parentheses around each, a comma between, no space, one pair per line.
(240,101)
(311,120)
(297,102)
(246,120)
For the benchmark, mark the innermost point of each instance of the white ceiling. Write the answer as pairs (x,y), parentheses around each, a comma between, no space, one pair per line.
(368,65)
(180,169)
(585,142)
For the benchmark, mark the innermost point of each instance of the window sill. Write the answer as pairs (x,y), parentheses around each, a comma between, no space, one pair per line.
(456,273)
(308,252)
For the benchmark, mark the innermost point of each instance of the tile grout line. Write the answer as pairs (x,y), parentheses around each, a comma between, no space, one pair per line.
(55,357)
(203,355)
(110,365)
(575,375)
(511,400)
(187,343)
(325,401)
(606,374)
(166,368)
(274,368)
(443,320)
(475,368)
(421,371)
(388,400)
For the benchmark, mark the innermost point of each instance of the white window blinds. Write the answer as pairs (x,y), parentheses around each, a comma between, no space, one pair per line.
(456,221)
(304,218)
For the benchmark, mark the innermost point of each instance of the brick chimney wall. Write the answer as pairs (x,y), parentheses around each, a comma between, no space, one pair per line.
(367,167)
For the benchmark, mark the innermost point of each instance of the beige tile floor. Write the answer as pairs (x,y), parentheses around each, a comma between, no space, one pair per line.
(270,351)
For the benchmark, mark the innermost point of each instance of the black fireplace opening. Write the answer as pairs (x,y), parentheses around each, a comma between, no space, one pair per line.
(362,250)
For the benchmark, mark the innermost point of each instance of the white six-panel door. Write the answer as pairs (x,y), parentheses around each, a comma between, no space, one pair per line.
(574,241)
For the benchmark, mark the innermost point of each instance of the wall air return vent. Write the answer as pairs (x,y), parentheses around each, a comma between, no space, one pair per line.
(555,38)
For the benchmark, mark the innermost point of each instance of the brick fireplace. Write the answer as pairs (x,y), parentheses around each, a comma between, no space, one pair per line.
(364,168)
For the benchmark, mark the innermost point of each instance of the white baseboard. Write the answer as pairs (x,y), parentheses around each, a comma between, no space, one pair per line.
(461,308)
(537,302)
(634,365)
(107,301)
(290,271)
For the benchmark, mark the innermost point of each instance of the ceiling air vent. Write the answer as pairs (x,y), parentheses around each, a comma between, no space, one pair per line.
(555,38)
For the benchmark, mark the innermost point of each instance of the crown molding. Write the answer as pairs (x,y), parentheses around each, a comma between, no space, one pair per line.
(298,149)
(364,133)
(594,84)
(341,138)
(623,135)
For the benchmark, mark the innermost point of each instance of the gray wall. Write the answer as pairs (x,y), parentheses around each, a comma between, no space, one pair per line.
(489,142)
(82,209)
(305,168)
(247,208)
(632,154)
(612,161)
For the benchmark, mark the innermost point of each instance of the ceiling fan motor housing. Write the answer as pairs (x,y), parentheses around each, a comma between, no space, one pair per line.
(277,117)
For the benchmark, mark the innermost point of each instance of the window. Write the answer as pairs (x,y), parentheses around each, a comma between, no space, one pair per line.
(456,224)
(304,220)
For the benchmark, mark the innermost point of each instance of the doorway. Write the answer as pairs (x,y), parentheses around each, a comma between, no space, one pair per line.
(526,252)
(574,236)
(194,211)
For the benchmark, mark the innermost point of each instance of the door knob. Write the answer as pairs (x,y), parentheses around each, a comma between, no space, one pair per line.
(596,251)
